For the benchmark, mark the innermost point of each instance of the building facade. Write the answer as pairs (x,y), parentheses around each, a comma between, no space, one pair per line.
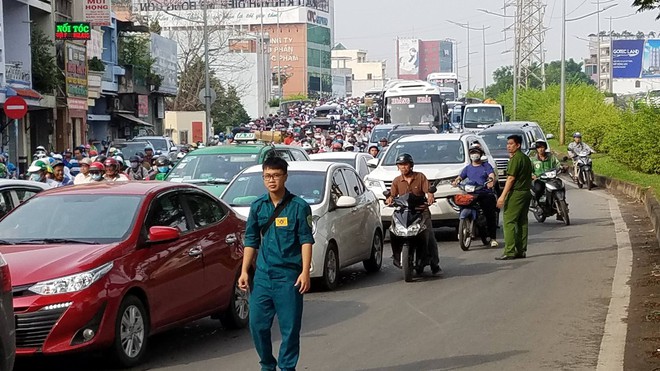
(364,74)
(416,58)
(293,43)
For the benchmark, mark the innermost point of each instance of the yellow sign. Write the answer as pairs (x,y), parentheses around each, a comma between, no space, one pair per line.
(281,222)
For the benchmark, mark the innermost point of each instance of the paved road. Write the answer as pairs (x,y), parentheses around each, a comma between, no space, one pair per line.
(544,312)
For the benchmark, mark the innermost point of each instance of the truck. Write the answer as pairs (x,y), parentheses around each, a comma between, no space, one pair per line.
(477,117)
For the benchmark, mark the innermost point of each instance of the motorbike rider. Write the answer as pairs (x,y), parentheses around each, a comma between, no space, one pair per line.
(39,170)
(416,183)
(136,171)
(575,148)
(59,176)
(373,151)
(113,172)
(162,167)
(480,173)
(542,161)
(96,171)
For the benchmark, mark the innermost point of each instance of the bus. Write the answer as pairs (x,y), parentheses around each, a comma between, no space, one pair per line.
(413,103)
(446,80)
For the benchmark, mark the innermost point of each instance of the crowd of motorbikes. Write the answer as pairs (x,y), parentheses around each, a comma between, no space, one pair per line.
(407,223)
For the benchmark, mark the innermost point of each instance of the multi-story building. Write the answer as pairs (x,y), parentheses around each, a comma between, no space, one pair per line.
(364,74)
(416,58)
(293,43)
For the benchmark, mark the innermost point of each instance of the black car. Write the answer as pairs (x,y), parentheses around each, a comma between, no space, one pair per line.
(7,321)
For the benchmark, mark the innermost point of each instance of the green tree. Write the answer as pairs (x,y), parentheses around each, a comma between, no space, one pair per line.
(479,94)
(46,77)
(574,74)
(502,82)
(644,5)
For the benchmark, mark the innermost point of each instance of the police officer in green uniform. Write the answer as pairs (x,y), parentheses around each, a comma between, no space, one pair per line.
(515,200)
(284,254)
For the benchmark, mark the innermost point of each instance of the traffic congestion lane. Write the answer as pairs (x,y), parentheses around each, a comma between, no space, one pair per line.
(544,312)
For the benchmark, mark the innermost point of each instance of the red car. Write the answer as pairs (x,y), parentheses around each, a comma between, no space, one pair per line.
(107,265)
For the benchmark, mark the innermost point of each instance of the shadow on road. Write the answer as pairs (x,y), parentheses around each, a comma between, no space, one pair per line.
(450,363)
(199,341)
(571,252)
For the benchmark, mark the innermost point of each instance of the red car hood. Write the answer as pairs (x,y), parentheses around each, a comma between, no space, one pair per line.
(30,264)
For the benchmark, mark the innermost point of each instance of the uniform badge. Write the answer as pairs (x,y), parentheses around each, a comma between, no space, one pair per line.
(281,222)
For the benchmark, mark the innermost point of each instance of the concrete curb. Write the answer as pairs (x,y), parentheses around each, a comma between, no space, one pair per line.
(643,194)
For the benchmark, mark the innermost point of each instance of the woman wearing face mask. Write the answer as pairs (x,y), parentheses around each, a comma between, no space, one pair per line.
(480,173)
(136,171)
(163,167)
(96,171)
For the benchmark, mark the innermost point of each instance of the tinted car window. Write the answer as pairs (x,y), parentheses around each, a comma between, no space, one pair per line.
(166,211)
(284,154)
(353,183)
(298,155)
(5,203)
(24,194)
(429,152)
(339,187)
(205,211)
(308,185)
(206,167)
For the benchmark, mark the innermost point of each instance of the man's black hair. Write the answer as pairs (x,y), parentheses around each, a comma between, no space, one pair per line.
(516,138)
(275,163)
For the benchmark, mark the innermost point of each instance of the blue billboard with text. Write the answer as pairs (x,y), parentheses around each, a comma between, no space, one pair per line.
(627,59)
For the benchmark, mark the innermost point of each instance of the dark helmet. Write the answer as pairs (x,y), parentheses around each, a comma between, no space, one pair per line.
(134,159)
(404,158)
(476,148)
(163,161)
(101,158)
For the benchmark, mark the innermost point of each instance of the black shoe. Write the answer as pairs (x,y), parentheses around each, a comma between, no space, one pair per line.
(435,269)
(505,257)
(521,256)
(396,263)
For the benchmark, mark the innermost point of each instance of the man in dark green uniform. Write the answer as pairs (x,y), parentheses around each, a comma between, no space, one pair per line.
(283,263)
(515,200)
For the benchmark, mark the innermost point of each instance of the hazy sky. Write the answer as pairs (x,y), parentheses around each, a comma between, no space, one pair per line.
(374,25)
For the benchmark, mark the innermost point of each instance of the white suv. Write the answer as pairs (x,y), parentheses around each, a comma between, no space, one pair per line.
(440,157)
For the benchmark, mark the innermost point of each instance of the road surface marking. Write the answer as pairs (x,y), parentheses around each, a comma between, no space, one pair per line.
(613,344)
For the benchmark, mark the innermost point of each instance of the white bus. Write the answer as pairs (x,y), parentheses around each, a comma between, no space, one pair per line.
(446,81)
(413,103)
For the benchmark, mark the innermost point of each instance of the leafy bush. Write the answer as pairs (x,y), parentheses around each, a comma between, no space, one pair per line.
(634,141)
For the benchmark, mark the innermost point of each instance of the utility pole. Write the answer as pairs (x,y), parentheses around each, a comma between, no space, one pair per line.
(207,78)
(562,94)
(279,66)
(483,34)
(598,48)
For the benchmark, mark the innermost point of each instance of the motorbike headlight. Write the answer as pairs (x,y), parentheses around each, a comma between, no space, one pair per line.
(72,283)
(373,183)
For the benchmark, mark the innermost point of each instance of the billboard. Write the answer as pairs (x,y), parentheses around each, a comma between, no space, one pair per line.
(408,54)
(627,59)
(446,56)
(635,59)
(164,52)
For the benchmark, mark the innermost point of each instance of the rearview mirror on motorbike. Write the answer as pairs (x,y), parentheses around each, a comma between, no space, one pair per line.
(433,189)
(387,193)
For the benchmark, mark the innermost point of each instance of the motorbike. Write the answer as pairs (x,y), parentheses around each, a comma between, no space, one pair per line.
(407,227)
(585,170)
(472,221)
(553,201)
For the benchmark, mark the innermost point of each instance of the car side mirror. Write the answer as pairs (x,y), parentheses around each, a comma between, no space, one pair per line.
(484,158)
(550,136)
(159,234)
(372,163)
(345,202)
(387,193)
(174,149)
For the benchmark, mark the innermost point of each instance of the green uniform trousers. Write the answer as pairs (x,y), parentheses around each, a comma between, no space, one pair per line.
(515,222)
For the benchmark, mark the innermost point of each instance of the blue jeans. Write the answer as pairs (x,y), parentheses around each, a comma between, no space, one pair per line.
(281,298)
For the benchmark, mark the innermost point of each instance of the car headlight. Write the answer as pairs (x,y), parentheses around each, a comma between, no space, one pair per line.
(443,181)
(72,283)
(373,183)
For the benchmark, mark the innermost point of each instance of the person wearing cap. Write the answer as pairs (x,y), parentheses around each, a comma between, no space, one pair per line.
(576,147)
(40,151)
(479,173)
(59,177)
(382,143)
(149,156)
(38,172)
(83,176)
(542,161)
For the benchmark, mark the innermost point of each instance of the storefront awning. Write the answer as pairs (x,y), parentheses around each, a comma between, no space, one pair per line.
(134,119)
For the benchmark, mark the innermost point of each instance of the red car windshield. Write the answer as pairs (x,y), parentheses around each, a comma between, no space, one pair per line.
(82,218)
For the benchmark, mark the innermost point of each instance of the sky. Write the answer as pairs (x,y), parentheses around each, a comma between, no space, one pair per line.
(374,25)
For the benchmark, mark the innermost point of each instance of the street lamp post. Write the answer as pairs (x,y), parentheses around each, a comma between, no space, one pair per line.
(207,78)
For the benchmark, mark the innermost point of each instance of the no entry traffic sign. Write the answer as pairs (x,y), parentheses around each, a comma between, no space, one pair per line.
(15,107)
